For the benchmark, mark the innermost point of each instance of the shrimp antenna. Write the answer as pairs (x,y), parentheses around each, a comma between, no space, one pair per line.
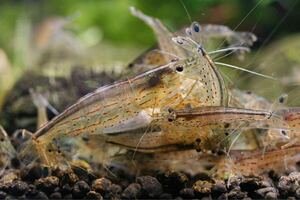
(167,53)
(245,70)
(229,49)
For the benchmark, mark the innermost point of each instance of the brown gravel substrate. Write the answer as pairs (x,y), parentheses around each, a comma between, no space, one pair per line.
(41,183)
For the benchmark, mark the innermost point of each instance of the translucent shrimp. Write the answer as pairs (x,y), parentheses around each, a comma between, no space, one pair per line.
(256,163)
(135,103)
(223,124)
(204,34)
(7,151)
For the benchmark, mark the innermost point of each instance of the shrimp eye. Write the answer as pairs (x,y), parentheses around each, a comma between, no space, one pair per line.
(196,27)
(179,68)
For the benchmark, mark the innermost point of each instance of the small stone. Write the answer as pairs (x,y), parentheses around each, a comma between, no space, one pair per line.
(202,187)
(178,198)
(150,185)
(297,193)
(223,196)
(66,189)
(2,195)
(9,177)
(265,184)
(18,188)
(116,190)
(264,191)
(187,193)
(133,191)
(165,196)
(250,184)
(67,176)
(80,189)
(289,183)
(32,191)
(176,180)
(234,182)
(93,195)
(47,184)
(56,195)
(237,194)
(32,173)
(101,185)
(67,196)
(218,188)
(41,195)
(271,195)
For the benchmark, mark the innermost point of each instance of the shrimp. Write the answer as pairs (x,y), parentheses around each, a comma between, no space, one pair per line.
(7,151)
(168,51)
(137,102)
(255,162)
(201,34)
(216,126)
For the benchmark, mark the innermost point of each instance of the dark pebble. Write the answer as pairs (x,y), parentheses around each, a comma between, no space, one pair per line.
(66,176)
(66,189)
(218,188)
(40,195)
(18,188)
(93,195)
(32,191)
(289,184)
(150,186)
(133,191)
(83,174)
(55,195)
(297,193)
(223,196)
(250,184)
(234,182)
(80,189)
(2,195)
(237,194)
(115,191)
(67,196)
(271,195)
(165,196)
(101,185)
(178,198)
(187,193)
(174,181)
(47,184)
(33,172)
(262,192)
(10,197)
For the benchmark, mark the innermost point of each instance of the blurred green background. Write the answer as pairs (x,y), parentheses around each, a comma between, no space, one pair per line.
(111,19)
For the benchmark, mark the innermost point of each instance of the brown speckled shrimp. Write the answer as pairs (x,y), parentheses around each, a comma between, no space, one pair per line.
(257,162)
(238,41)
(7,151)
(139,102)
(218,127)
